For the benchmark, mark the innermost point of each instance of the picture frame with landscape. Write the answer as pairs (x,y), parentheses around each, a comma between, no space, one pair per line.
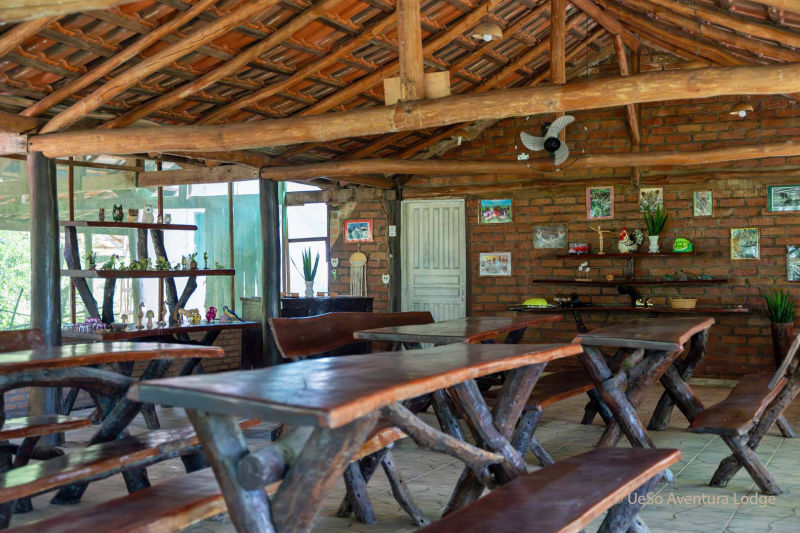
(495,264)
(358,230)
(495,211)
(783,197)
(551,236)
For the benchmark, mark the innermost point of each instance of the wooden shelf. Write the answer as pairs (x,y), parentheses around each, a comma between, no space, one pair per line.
(134,225)
(640,281)
(623,256)
(132,332)
(720,310)
(148,273)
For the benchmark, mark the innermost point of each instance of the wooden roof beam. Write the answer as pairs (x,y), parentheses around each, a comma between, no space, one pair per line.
(631,110)
(21,32)
(788,5)
(164,57)
(76,85)
(612,25)
(9,122)
(422,114)
(409,37)
(439,167)
(227,68)
(17,10)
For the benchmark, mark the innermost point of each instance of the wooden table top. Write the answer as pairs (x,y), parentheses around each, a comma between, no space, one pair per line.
(469,330)
(73,355)
(333,391)
(132,332)
(667,334)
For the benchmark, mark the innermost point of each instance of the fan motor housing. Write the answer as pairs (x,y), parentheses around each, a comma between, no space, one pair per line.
(551,144)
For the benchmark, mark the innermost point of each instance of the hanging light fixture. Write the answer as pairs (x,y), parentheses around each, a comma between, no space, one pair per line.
(741,109)
(487,30)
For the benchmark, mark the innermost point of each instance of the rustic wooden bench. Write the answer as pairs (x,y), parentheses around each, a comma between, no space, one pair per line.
(298,338)
(744,417)
(567,496)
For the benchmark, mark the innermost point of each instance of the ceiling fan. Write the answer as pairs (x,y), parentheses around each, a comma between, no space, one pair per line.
(549,140)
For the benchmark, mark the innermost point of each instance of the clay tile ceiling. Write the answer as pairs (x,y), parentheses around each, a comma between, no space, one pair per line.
(298,57)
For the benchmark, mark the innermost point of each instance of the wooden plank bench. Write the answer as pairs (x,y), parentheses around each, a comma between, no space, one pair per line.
(744,417)
(298,338)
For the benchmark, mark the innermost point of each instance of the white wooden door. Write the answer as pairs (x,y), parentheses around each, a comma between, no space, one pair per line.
(434,258)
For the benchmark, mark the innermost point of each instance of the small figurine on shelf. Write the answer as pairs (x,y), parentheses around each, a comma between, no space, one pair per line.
(102,215)
(91,259)
(167,219)
(599,229)
(148,214)
(630,242)
(150,315)
(583,272)
(133,215)
(211,314)
(161,321)
(184,263)
(192,261)
(117,213)
(140,316)
(111,264)
(218,266)
(609,277)
(162,264)
(230,314)
(205,260)
(124,319)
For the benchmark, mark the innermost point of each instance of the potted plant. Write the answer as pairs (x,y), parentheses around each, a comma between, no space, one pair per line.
(780,310)
(655,221)
(309,271)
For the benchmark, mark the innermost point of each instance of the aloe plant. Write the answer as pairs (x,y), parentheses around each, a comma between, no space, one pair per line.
(780,306)
(309,272)
(655,221)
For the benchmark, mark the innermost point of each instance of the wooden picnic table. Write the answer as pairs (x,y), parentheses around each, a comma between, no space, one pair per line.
(468,330)
(331,401)
(646,352)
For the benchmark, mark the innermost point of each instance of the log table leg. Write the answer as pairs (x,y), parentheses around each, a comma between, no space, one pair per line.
(368,465)
(685,367)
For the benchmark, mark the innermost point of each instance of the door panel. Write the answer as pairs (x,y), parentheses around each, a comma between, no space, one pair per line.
(434,258)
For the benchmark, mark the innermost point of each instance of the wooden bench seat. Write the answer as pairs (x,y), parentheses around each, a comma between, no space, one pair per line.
(737,413)
(562,497)
(99,460)
(36,426)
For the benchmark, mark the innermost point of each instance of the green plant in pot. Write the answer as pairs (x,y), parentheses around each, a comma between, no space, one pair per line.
(309,271)
(655,222)
(780,310)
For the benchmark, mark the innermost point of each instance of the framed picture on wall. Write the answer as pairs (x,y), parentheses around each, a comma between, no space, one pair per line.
(651,199)
(599,202)
(495,264)
(793,263)
(703,204)
(744,243)
(358,230)
(554,236)
(784,197)
(495,211)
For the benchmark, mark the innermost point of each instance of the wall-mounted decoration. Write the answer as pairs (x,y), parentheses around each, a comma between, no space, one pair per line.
(651,198)
(358,230)
(495,264)
(599,202)
(703,204)
(358,274)
(554,236)
(495,211)
(793,263)
(784,197)
(744,243)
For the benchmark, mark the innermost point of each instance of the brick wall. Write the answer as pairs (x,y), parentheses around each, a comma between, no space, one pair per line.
(377,252)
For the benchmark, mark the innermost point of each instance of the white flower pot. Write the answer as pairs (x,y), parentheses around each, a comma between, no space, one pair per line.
(310,289)
(653,244)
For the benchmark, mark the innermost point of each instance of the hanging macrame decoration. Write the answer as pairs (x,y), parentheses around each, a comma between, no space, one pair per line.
(358,271)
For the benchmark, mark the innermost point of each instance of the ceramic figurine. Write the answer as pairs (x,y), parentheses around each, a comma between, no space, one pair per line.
(111,264)
(150,314)
(102,215)
(609,277)
(91,259)
(133,215)
(162,264)
(211,314)
(140,316)
(630,242)
(218,266)
(124,319)
(205,260)
(160,219)
(117,213)
(148,214)
(230,314)
(167,219)
(192,261)
(184,263)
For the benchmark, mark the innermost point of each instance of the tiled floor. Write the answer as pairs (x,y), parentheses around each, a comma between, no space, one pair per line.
(687,505)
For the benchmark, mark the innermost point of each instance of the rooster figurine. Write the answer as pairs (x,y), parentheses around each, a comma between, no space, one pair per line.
(630,242)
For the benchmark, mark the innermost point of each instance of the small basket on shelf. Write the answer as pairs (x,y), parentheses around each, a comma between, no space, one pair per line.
(683,303)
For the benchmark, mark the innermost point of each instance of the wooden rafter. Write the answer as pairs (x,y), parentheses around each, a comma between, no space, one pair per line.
(162,58)
(226,69)
(630,110)
(10,122)
(142,43)
(409,40)
(558,49)
(503,103)
(611,24)
(21,32)
(17,10)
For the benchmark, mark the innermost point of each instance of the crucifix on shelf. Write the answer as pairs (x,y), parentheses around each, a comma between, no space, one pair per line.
(600,232)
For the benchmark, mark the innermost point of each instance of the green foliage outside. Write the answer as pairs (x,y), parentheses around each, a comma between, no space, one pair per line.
(15,271)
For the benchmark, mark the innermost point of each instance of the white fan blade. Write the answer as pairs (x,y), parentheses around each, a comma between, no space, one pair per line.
(561,154)
(559,124)
(532,142)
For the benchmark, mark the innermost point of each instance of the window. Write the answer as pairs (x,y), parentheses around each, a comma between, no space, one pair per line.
(306,228)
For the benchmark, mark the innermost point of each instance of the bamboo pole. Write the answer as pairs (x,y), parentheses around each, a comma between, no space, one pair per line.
(497,104)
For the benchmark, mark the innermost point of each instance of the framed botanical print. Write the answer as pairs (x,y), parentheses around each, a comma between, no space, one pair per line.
(599,202)
(744,243)
(651,199)
(703,204)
